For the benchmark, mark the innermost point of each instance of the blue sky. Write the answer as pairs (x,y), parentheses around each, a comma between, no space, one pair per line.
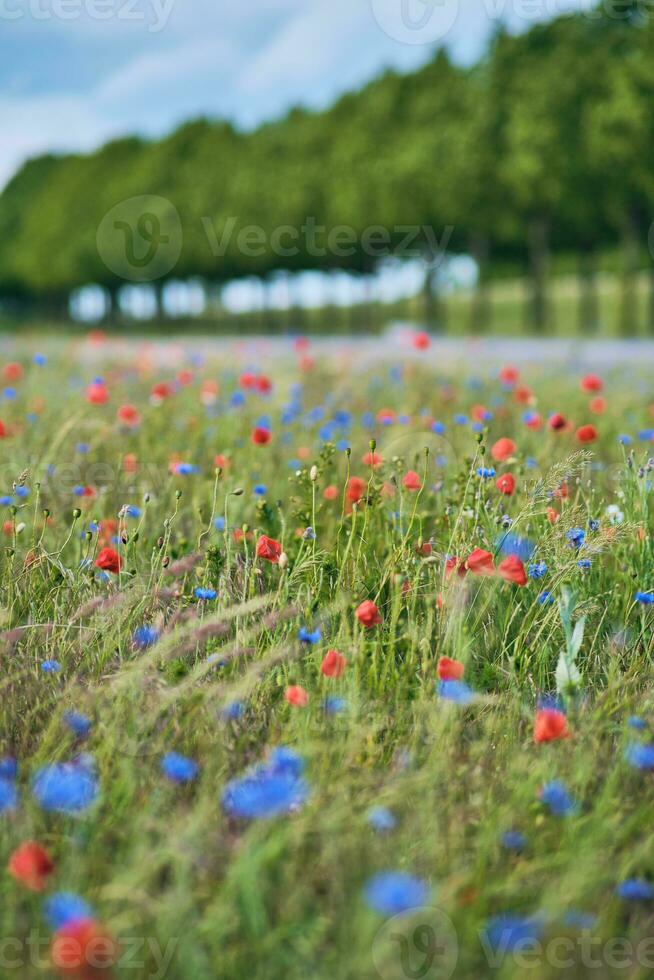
(74,73)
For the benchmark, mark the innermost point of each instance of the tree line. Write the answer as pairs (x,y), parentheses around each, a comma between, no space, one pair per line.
(541,153)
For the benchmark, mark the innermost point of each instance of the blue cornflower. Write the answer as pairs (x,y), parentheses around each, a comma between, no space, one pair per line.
(513,840)
(311,638)
(64,787)
(461,419)
(576,536)
(555,796)
(144,637)
(505,933)
(8,768)
(22,491)
(593,525)
(260,489)
(485,472)
(625,440)
(39,359)
(64,907)
(187,469)
(237,399)
(6,500)
(334,705)
(637,723)
(438,428)
(233,711)
(515,544)
(635,890)
(219,523)
(640,756)
(269,789)
(545,598)
(537,570)
(78,491)
(205,594)
(82,448)
(381,819)
(584,564)
(79,724)
(50,666)
(393,892)
(456,691)
(131,510)
(8,795)
(178,768)
(645,598)
(576,919)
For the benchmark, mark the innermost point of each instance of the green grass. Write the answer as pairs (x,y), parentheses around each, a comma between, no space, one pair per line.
(164,865)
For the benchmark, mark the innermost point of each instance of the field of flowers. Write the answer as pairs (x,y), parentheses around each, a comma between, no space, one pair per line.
(315,667)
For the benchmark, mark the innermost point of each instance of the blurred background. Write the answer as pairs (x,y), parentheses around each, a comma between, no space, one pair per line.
(470,166)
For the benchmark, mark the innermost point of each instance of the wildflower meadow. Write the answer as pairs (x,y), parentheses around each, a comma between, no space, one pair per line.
(324,662)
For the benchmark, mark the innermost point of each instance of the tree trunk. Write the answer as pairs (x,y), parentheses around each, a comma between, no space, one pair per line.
(538,263)
(433,306)
(480,311)
(628,314)
(588,299)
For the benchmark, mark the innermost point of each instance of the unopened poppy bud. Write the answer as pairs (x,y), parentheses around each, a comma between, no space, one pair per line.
(20,527)
(283,561)
(313,474)
(348,451)
(238,492)
(124,538)
(373,445)
(166,562)
(146,498)
(77,513)
(46,512)
(160,543)
(178,494)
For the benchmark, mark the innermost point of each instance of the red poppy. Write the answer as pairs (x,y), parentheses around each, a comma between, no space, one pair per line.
(129,415)
(385,415)
(523,395)
(512,570)
(586,433)
(425,549)
(412,481)
(552,515)
(533,420)
(480,562)
(108,560)
(160,391)
(3,431)
(334,664)
(557,422)
(97,394)
(356,488)
(222,461)
(268,549)
(450,670)
(509,375)
(330,492)
(82,949)
(597,405)
(479,413)
(261,436)
(247,379)
(591,384)
(506,484)
(368,614)
(31,865)
(550,725)
(421,340)
(502,449)
(12,371)
(130,463)
(263,384)
(372,459)
(297,696)
(185,377)
(455,564)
